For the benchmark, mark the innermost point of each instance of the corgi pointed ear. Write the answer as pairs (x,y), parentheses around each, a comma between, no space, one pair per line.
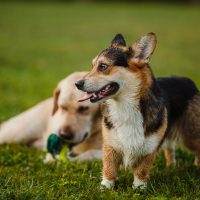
(144,47)
(56,94)
(118,41)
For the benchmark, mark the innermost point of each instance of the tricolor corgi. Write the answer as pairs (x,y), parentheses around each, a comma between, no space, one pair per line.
(139,111)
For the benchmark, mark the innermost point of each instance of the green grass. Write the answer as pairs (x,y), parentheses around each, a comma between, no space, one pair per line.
(24,176)
(41,44)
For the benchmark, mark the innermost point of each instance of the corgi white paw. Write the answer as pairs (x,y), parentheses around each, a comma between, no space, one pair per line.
(107,183)
(139,184)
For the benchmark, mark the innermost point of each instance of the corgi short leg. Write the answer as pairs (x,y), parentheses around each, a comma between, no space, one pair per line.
(197,159)
(169,156)
(111,163)
(141,171)
(193,144)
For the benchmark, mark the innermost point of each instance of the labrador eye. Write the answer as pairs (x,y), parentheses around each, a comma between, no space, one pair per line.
(102,67)
(64,108)
(83,109)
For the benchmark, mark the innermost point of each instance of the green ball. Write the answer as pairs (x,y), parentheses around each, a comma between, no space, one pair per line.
(54,144)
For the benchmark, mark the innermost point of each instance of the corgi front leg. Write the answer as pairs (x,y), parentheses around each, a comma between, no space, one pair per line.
(141,171)
(111,163)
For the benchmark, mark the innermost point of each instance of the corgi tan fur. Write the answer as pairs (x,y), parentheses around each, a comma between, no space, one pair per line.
(78,123)
(139,111)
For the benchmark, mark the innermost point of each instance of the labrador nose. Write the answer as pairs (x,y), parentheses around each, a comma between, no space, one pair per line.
(79,84)
(66,133)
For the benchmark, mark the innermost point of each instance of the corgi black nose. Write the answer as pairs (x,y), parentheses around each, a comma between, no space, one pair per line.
(79,84)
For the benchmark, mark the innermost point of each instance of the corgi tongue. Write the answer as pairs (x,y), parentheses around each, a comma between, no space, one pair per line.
(86,97)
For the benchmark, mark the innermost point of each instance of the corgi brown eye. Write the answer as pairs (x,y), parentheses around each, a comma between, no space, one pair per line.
(102,67)
(83,109)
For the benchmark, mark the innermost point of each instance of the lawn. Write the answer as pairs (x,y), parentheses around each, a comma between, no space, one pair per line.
(42,43)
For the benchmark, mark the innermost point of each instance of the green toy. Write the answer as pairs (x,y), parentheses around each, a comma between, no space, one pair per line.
(56,146)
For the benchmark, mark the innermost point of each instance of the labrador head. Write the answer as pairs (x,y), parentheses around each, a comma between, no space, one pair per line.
(71,119)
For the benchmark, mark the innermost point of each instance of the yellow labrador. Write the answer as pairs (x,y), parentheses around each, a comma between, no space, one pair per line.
(77,123)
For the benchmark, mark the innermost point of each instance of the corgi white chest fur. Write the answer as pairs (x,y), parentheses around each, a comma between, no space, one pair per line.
(127,136)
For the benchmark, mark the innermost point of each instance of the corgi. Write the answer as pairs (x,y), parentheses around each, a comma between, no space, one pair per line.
(139,111)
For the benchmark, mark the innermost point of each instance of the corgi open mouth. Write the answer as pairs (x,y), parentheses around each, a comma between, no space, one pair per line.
(107,90)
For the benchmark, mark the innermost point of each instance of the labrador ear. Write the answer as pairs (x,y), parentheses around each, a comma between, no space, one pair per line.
(118,41)
(55,100)
(144,47)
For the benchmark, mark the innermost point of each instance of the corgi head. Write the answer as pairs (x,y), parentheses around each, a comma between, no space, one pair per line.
(120,71)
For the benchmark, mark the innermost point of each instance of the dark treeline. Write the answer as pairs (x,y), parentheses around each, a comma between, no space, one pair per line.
(107,1)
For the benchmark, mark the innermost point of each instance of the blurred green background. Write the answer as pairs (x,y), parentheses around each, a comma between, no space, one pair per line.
(41,43)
